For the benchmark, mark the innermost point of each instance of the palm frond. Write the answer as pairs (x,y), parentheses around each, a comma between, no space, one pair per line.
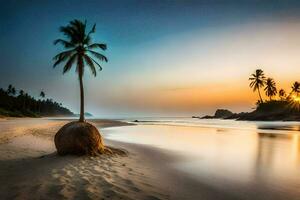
(87,40)
(98,55)
(63,54)
(93,30)
(79,28)
(61,57)
(97,45)
(65,43)
(90,63)
(69,64)
(100,68)
(67,31)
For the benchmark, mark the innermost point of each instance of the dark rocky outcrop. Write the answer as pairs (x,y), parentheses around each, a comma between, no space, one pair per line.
(268,111)
(219,114)
(222,113)
(272,111)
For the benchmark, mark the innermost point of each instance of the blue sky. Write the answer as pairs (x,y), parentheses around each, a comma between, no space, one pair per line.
(160,52)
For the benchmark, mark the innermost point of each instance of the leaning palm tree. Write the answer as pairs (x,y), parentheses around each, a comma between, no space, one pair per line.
(282,94)
(258,80)
(270,88)
(79,51)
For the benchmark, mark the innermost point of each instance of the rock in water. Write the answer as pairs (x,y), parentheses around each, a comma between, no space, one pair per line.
(79,138)
(222,113)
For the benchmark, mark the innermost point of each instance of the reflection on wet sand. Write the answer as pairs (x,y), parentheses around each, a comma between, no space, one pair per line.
(252,160)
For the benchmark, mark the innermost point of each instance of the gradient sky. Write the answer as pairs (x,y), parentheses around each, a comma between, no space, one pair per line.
(166,58)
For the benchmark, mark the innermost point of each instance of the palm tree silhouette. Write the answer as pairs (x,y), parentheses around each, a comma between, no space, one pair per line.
(13,91)
(42,94)
(282,94)
(258,80)
(9,89)
(270,88)
(79,51)
(21,92)
(296,88)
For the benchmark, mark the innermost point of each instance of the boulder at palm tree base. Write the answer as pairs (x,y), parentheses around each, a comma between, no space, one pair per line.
(79,138)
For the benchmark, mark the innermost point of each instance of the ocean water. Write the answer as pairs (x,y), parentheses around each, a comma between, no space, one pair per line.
(253,159)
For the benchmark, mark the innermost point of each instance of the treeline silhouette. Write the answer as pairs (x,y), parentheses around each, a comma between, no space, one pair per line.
(281,105)
(290,100)
(15,103)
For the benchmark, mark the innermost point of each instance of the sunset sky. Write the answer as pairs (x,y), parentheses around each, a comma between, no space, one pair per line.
(166,58)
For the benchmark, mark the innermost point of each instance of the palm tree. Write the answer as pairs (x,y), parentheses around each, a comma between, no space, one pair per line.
(13,91)
(258,80)
(79,51)
(42,94)
(282,94)
(21,96)
(9,89)
(21,93)
(270,88)
(296,88)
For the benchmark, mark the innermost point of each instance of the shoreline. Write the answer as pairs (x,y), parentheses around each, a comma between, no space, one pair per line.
(177,185)
(30,169)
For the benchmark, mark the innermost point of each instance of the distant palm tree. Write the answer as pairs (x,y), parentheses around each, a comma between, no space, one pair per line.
(79,51)
(21,92)
(26,101)
(21,97)
(9,89)
(13,91)
(296,88)
(282,94)
(270,88)
(42,94)
(258,80)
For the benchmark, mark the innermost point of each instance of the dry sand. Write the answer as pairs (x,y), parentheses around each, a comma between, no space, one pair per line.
(30,168)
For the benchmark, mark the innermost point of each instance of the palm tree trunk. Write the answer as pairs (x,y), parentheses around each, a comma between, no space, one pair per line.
(81,119)
(260,96)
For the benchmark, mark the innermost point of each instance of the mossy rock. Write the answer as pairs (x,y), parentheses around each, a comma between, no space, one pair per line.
(79,138)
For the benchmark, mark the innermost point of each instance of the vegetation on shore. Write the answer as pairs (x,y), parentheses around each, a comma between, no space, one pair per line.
(280,105)
(18,103)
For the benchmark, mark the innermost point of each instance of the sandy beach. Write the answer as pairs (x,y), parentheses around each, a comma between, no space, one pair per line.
(30,168)
(156,166)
